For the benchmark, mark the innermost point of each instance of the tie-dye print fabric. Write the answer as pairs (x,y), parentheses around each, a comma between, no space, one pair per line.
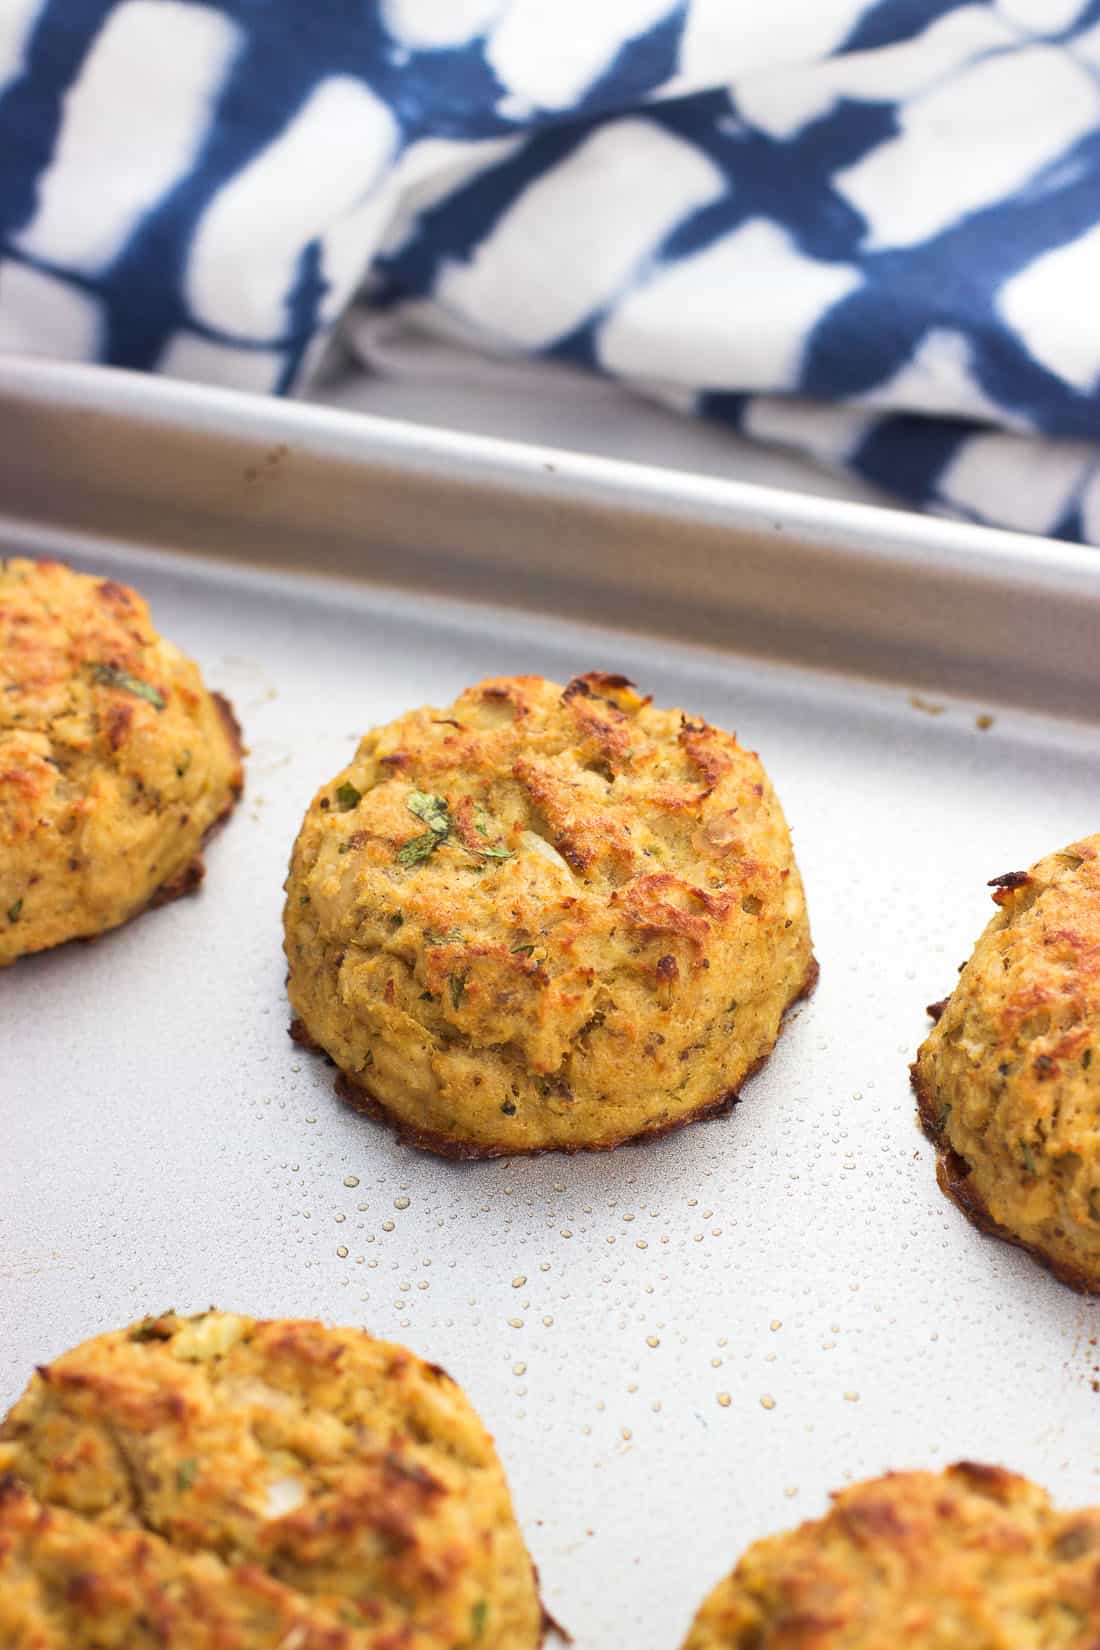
(867,229)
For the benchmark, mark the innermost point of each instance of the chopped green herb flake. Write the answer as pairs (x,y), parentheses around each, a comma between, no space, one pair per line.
(941,1120)
(348,797)
(186,1473)
(484,827)
(108,676)
(343,848)
(419,848)
(15,911)
(458,987)
(479,1615)
(431,809)
(183,764)
(522,950)
(1029,1161)
(499,852)
(397,919)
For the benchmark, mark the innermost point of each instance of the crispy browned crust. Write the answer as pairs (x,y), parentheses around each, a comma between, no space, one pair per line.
(187,880)
(808,986)
(298,1034)
(360,1099)
(549,1622)
(955,1182)
(427,1140)
(233,732)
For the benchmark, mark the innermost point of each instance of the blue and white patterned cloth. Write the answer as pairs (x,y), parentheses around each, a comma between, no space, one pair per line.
(866,229)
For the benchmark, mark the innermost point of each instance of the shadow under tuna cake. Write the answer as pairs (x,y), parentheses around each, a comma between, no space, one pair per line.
(545,918)
(115,761)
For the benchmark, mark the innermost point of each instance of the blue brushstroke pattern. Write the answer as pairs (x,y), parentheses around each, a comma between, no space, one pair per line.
(949,282)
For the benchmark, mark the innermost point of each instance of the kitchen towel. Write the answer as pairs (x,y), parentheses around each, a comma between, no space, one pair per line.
(865,229)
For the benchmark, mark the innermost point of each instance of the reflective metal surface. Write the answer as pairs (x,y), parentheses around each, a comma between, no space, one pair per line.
(680,1346)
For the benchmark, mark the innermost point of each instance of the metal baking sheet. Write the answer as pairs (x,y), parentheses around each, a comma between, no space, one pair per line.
(679,1346)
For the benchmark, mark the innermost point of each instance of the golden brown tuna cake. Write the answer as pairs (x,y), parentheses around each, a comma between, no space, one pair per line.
(545,917)
(1008,1081)
(973,1558)
(115,762)
(192,1483)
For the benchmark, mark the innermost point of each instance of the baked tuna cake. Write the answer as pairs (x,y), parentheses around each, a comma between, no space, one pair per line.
(545,918)
(115,762)
(973,1558)
(1008,1080)
(217,1481)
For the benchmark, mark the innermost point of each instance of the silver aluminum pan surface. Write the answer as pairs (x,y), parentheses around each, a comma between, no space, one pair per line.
(165,1144)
